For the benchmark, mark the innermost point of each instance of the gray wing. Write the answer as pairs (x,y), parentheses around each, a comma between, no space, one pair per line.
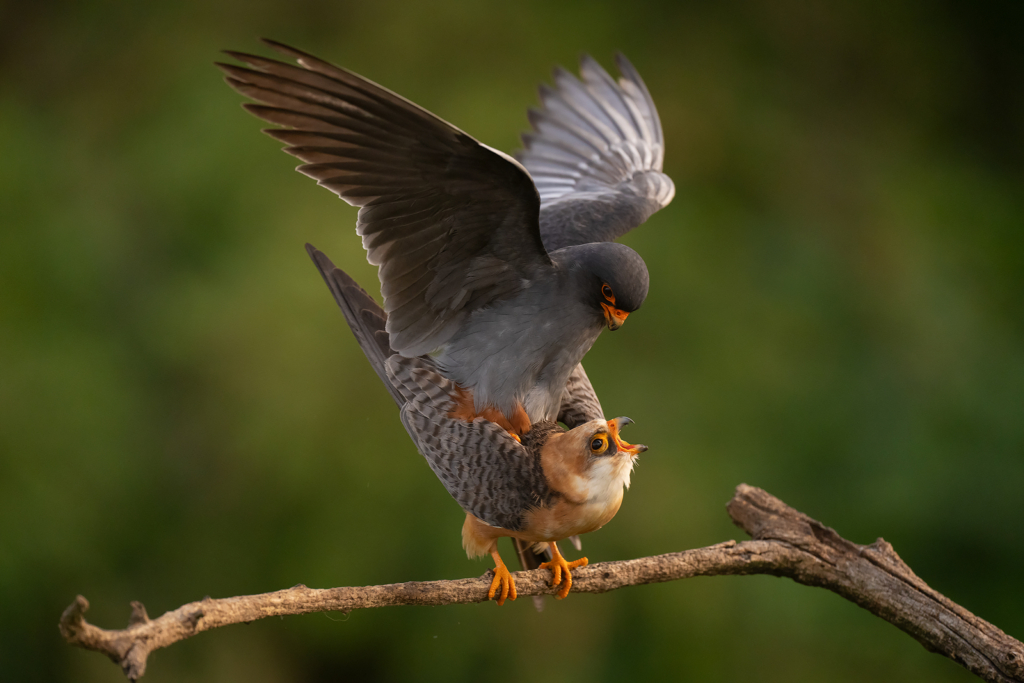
(579,400)
(486,471)
(596,155)
(452,223)
(364,316)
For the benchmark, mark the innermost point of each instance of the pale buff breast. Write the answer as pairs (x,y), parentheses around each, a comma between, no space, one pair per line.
(590,491)
(566,519)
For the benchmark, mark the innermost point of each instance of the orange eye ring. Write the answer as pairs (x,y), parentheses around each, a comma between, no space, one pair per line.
(607,292)
(599,443)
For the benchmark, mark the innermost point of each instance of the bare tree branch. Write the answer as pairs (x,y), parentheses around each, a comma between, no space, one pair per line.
(785,543)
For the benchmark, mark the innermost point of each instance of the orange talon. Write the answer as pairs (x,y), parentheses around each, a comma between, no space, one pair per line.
(558,567)
(464,409)
(502,581)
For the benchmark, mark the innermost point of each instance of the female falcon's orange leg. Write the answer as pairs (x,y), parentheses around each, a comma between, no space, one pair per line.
(464,409)
(520,420)
(503,584)
(559,566)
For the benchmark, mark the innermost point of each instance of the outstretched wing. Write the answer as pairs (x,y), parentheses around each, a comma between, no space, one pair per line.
(596,155)
(452,223)
(486,471)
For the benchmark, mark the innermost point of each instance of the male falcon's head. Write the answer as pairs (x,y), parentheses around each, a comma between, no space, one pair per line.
(610,277)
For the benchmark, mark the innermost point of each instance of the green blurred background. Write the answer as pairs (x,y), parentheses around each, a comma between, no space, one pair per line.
(836,315)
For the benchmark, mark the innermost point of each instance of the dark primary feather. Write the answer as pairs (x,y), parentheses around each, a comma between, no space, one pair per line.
(486,471)
(596,155)
(452,224)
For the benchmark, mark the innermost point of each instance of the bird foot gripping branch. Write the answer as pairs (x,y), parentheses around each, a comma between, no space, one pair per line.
(503,585)
(561,571)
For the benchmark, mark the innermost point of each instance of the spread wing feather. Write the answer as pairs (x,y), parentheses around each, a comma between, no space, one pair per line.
(487,472)
(596,155)
(579,400)
(452,223)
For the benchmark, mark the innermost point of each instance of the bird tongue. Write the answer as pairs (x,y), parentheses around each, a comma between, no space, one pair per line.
(613,428)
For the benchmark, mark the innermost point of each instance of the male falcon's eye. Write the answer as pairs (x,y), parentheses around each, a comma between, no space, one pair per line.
(606,290)
(599,443)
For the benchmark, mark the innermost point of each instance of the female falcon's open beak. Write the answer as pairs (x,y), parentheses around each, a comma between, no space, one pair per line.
(614,317)
(613,429)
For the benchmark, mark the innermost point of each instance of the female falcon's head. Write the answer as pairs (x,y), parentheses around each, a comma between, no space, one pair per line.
(591,462)
(609,277)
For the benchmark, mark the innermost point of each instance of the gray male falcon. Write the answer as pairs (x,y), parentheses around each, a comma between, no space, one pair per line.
(502,271)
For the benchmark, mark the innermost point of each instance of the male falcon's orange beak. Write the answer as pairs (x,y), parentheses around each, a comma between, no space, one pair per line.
(614,317)
(613,429)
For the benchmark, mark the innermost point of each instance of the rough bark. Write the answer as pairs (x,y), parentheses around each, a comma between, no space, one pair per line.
(785,543)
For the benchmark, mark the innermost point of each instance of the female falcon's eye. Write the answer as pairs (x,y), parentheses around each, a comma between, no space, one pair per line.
(606,290)
(599,443)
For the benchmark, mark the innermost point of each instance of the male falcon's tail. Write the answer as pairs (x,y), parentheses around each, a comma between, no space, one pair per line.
(363,315)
